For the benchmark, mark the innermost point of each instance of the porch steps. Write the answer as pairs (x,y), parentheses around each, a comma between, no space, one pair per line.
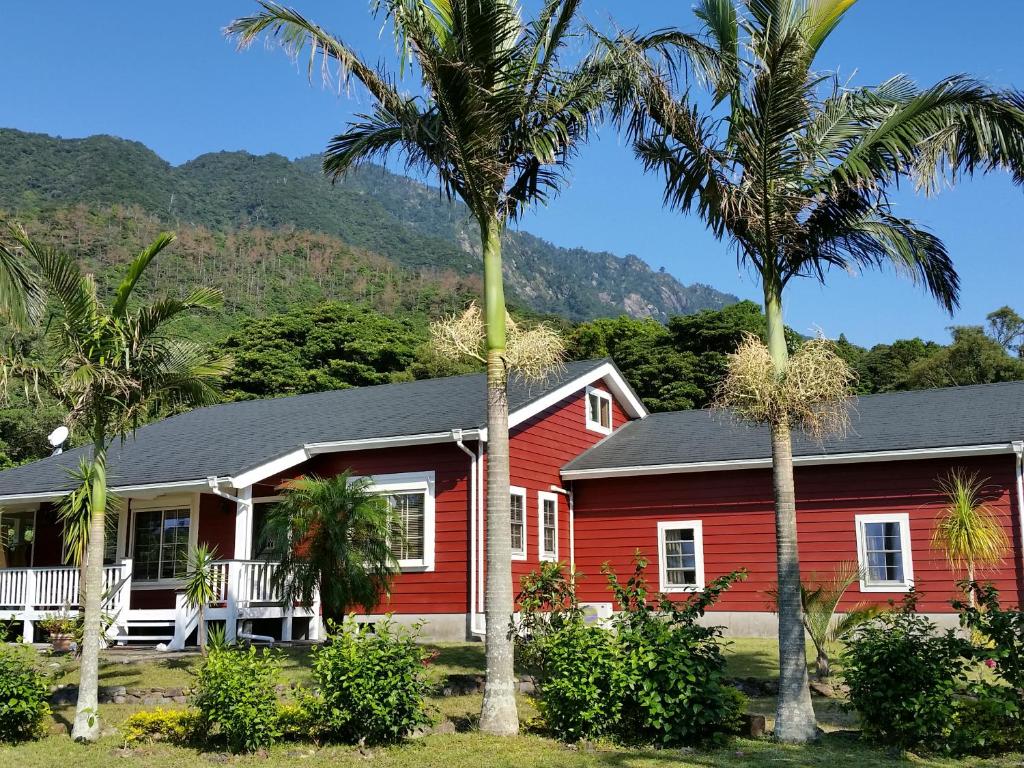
(153,632)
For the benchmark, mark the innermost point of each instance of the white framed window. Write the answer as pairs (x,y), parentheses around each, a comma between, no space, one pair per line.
(163,532)
(680,556)
(411,495)
(599,411)
(547,525)
(517,500)
(883,552)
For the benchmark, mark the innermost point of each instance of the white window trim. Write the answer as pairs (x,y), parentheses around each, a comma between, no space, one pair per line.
(698,549)
(412,481)
(903,519)
(516,490)
(596,426)
(191,501)
(543,496)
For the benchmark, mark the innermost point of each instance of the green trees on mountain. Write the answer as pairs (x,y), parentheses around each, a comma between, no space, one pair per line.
(330,346)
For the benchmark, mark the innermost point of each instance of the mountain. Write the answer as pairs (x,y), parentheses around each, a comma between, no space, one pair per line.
(371,210)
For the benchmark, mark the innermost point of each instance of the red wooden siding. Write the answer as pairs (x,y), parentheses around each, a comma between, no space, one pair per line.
(615,517)
(539,449)
(48,548)
(446,588)
(217,525)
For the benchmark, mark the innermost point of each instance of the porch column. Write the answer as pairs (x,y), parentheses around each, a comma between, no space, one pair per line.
(30,606)
(243,524)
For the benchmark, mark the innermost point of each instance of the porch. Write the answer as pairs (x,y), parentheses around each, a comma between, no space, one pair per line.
(245,597)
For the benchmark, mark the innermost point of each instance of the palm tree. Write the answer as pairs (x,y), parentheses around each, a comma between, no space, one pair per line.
(794,169)
(819,600)
(340,539)
(501,112)
(201,584)
(968,531)
(110,366)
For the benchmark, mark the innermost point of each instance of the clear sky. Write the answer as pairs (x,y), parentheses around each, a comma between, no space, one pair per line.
(163,74)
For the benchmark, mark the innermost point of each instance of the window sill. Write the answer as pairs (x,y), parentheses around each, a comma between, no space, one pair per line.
(594,427)
(519,556)
(682,590)
(549,558)
(415,567)
(142,584)
(894,587)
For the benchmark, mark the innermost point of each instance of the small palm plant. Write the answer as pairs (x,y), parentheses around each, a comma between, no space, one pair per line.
(819,600)
(202,582)
(968,530)
(340,536)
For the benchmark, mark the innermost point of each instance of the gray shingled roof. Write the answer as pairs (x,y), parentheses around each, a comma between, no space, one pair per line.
(934,418)
(225,440)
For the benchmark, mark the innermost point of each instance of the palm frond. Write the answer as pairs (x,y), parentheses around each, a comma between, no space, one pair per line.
(968,531)
(135,271)
(21,297)
(294,32)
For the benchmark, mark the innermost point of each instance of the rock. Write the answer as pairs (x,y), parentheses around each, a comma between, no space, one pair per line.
(754,725)
(172,692)
(119,699)
(526,685)
(445,726)
(151,701)
(179,699)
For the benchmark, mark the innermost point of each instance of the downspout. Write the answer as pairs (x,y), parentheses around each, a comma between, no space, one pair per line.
(480,527)
(473,552)
(1018,449)
(572,529)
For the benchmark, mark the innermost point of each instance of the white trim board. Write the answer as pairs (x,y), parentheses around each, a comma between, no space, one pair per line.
(799,461)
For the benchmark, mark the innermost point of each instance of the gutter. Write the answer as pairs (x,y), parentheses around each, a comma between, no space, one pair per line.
(572,530)
(457,436)
(1018,449)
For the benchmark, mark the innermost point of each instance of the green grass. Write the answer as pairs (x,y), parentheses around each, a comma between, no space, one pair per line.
(747,657)
(757,657)
(840,746)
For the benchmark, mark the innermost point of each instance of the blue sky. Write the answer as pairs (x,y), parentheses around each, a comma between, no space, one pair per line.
(163,74)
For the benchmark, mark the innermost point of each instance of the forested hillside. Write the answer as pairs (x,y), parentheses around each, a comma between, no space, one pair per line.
(371,210)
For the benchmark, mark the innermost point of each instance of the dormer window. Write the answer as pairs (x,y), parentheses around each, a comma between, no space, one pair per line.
(599,411)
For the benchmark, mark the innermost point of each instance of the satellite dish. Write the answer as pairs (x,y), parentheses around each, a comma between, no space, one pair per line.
(58,436)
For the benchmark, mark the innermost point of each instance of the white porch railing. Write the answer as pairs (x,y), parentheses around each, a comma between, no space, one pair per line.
(243,589)
(30,594)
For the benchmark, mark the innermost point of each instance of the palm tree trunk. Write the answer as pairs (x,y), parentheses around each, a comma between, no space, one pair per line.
(87,716)
(794,719)
(498,715)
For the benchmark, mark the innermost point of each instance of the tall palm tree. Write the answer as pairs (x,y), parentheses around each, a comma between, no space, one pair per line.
(109,366)
(968,531)
(501,111)
(794,169)
(335,537)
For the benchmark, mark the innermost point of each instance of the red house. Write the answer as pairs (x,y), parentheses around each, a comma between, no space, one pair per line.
(594,479)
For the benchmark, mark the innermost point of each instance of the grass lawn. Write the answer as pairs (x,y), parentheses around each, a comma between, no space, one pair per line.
(841,746)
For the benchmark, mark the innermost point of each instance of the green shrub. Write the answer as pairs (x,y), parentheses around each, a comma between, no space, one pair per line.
(295,722)
(547,603)
(24,697)
(236,698)
(673,686)
(906,679)
(371,684)
(178,726)
(581,678)
(658,676)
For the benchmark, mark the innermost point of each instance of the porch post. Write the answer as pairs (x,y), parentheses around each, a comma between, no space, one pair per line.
(231,620)
(28,626)
(243,524)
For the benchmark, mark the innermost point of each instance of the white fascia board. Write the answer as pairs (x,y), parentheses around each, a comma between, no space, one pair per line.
(289,460)
(799,461)
(144,490)
(606,372)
